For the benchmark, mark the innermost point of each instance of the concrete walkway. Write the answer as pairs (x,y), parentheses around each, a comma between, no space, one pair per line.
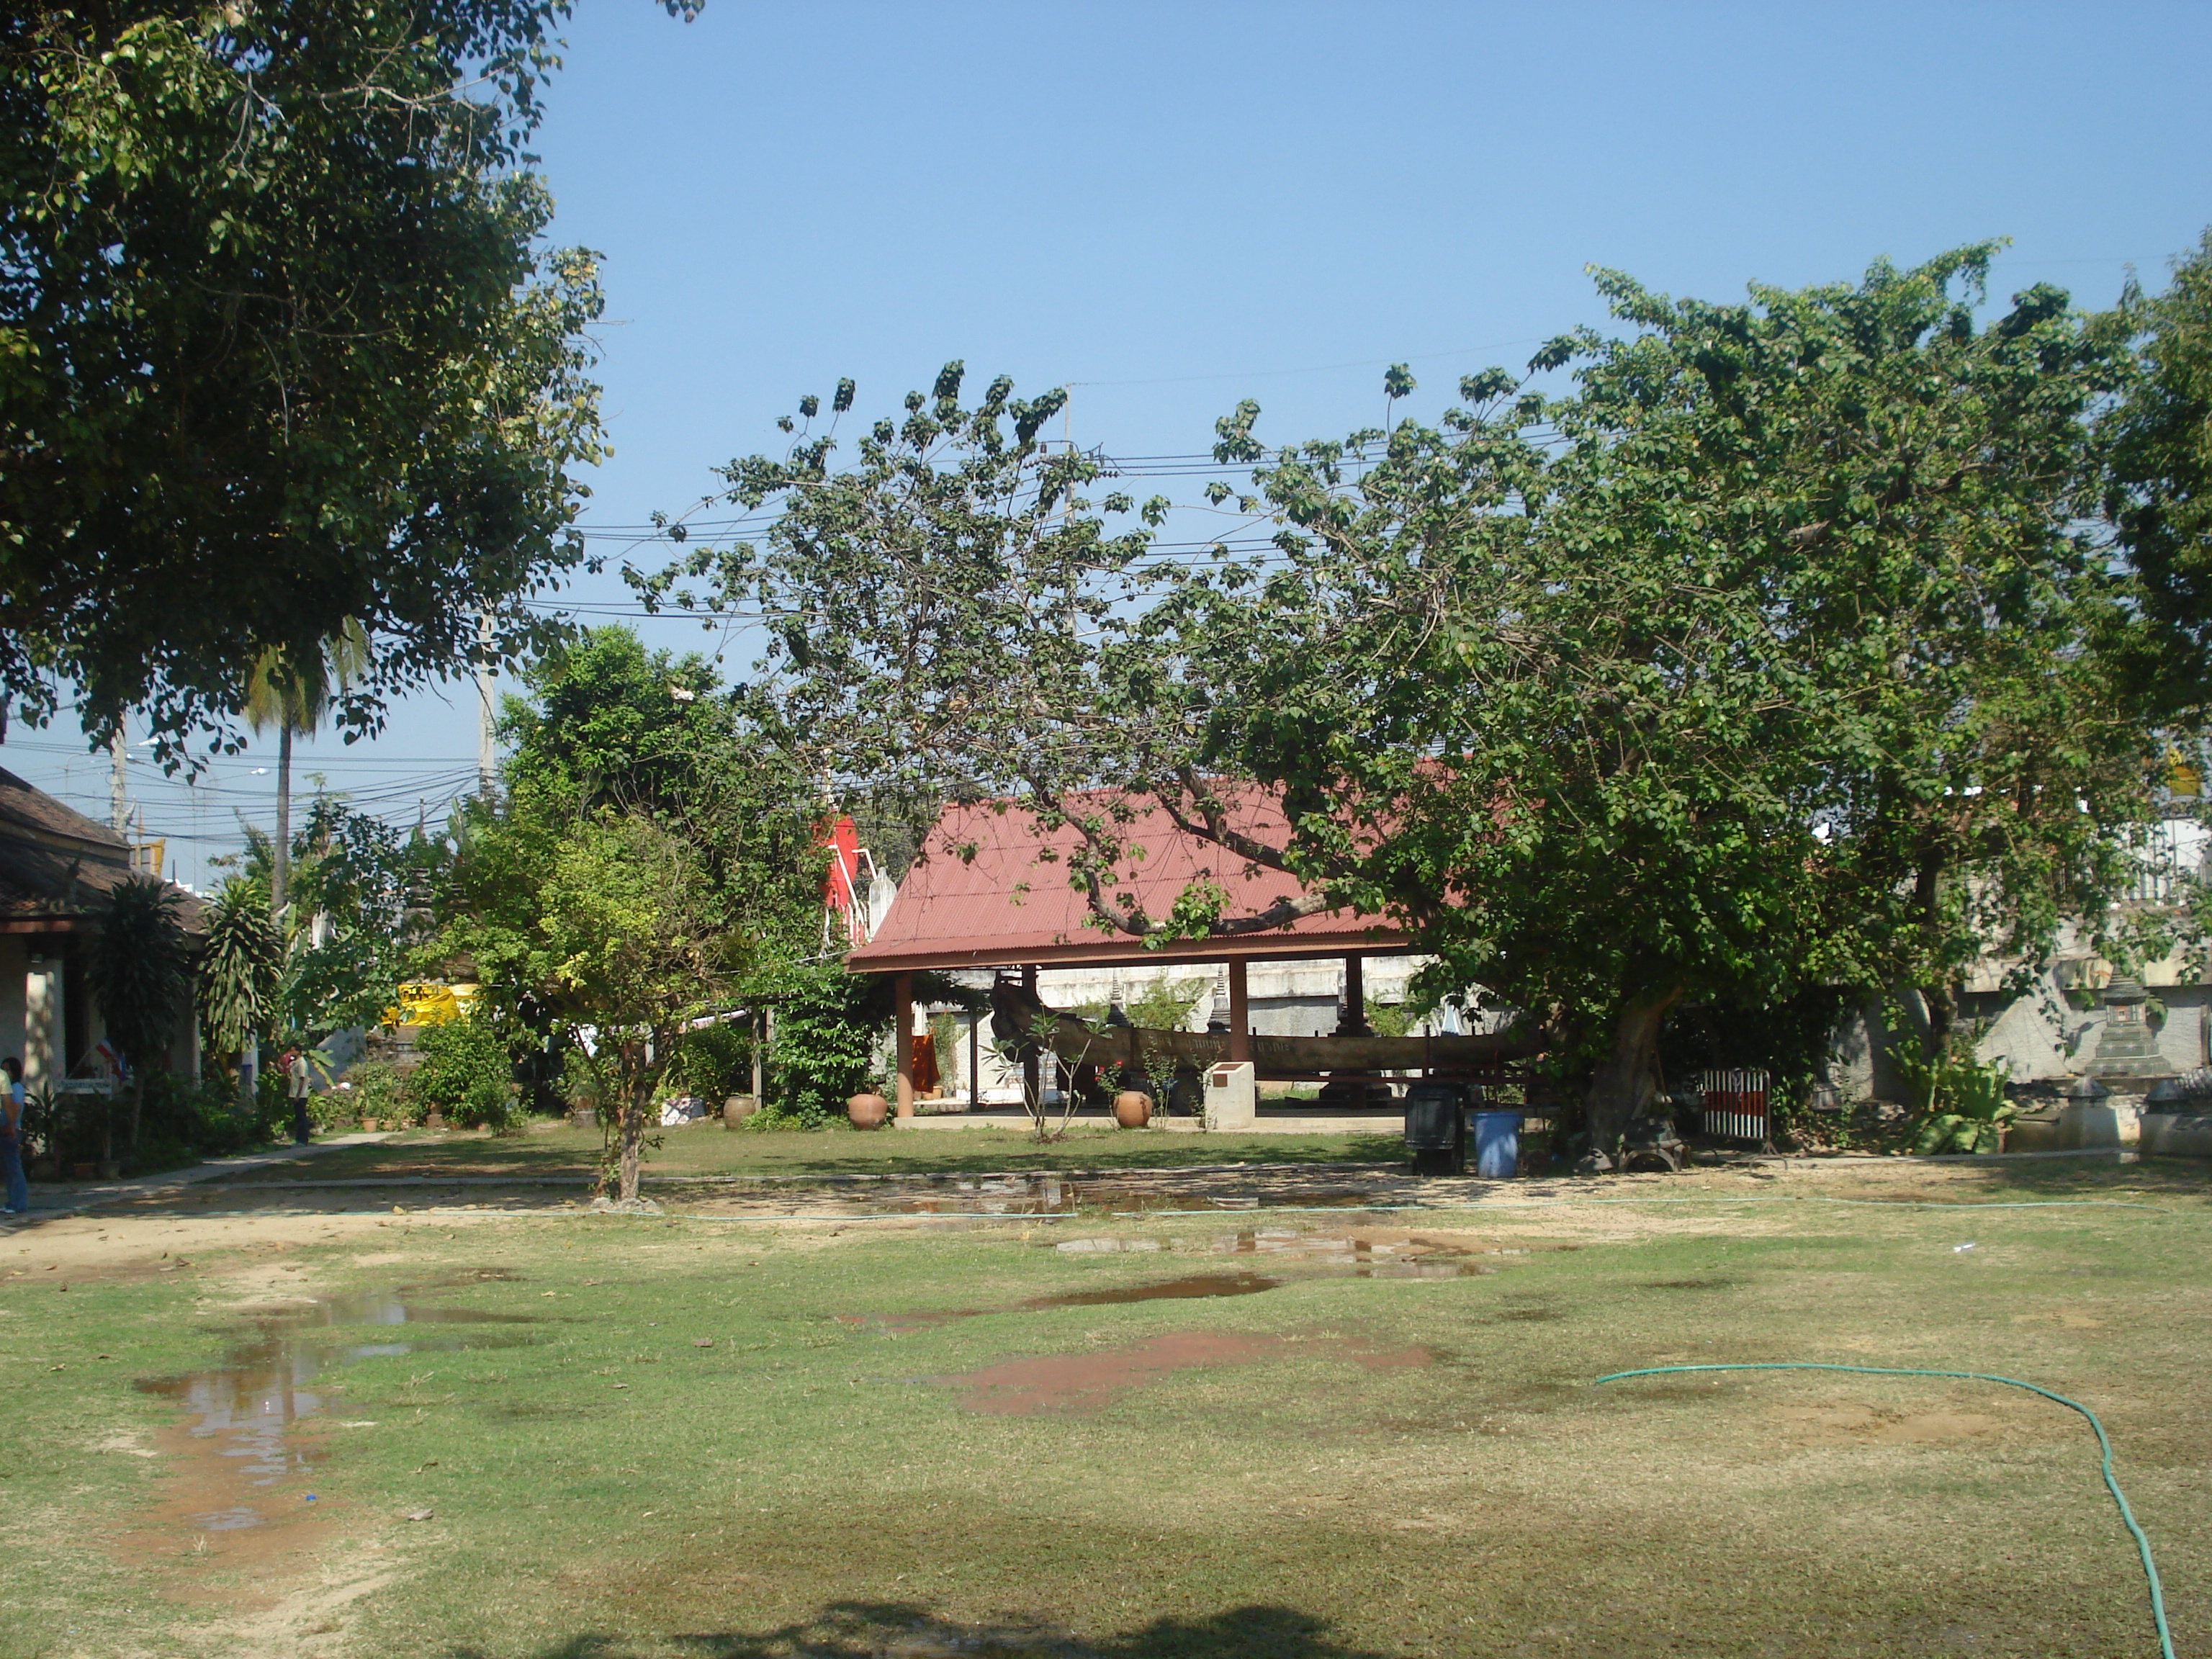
(52,1201)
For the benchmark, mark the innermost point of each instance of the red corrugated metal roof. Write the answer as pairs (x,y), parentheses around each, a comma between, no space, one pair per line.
(991,890)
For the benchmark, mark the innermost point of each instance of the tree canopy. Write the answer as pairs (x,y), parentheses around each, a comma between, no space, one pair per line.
(648,851)
(1777,651)
(2160,482)
(278,346)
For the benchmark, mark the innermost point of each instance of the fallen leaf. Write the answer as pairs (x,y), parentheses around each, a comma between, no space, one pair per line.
(421,1515)
(697,1341)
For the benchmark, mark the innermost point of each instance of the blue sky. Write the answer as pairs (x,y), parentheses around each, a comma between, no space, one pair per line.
(1171,207)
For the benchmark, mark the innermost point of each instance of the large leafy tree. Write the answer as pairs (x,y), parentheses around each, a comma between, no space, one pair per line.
(1772,654)
(1784,669)
(649,849)
(2159,490)
(278,347)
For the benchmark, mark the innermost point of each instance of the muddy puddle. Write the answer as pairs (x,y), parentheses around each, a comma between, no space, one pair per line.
(1305,1254)
(239,1466)
(1196,1287)
(1080,1383)
(1357,1255)
(1019,1195)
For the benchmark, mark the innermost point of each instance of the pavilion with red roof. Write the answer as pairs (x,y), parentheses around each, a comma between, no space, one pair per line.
(990,889)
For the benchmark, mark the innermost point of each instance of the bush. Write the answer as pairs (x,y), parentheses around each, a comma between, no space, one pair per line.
(713,1062)
(580,1083)
(488,1105)
(825,1046)
(181,1118)
(461,1060)
(378,1090)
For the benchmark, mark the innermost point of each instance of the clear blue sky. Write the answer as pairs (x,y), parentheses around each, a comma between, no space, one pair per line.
(1173,206)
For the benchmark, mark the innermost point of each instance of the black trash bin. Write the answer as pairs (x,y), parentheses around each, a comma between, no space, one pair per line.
(1436,1126)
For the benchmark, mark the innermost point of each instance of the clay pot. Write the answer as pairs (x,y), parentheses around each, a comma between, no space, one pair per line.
(738,1108)
(1133,1108)
(83,1171)
(867,1111)
(372,1124)
(434,1119)
(583,1114)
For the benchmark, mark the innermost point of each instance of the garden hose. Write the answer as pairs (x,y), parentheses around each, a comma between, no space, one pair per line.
(2104,1444)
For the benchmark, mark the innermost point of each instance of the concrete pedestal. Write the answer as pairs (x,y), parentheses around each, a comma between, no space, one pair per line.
(2166,1134)
(2114,1123)
(1232,1095)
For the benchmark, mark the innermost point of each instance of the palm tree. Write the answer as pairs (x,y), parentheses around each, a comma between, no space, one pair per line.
(141,972)
(294,697)
(239,975)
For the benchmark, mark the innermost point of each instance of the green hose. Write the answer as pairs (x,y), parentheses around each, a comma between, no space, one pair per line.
(2104,1442)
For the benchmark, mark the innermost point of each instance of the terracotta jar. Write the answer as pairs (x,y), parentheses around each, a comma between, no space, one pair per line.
(1133,1108)
(371,1125)
(867,1111)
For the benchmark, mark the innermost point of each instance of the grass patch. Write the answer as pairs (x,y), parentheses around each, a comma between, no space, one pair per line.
(666,1438)
(562,1152)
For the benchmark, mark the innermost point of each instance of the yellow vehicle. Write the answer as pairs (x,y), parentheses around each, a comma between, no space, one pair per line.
(426,1002)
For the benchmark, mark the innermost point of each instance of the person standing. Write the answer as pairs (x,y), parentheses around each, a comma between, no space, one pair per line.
(11,1142)
(295,1074)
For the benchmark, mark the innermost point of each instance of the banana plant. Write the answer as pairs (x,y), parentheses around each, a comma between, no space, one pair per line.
(1961,1105)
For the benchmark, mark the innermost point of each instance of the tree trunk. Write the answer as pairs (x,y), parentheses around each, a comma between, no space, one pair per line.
(138,1107)
(280,873)
(1627,1078)
(636,1099)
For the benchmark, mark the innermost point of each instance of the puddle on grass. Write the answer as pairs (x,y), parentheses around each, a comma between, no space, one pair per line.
(236,1447)
(1362,1257)
(1165,1289)
(1080,1383)
(1018,1195)
(1196,1287)
(1331,1255)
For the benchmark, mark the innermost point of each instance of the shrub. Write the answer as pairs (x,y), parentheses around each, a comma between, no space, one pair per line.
(458,1059)
(713,1062)
(825,1046)
(377,1092)
(488,1105)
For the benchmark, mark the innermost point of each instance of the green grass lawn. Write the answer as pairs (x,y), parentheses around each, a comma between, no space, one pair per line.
(639,1437)
(546,1152)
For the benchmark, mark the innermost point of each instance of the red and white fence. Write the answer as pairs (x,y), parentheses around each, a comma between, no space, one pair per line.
(1734,1104)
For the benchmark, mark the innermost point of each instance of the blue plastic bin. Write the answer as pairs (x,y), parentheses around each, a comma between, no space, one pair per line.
(1497,1145)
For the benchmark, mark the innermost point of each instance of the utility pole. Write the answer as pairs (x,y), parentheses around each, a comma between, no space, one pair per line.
(483,702)
(119,783)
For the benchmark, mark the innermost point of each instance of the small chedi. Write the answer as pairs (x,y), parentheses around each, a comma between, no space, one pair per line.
(2127,1047)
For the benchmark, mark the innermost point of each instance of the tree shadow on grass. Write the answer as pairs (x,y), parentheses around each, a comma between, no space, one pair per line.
(890,1630)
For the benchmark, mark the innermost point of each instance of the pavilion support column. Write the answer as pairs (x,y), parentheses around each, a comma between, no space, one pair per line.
(1240,1012)
(1355,996)
(1032,1071)
(902,1017)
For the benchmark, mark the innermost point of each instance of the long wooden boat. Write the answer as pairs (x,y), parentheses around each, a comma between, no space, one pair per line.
(1017,1016)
